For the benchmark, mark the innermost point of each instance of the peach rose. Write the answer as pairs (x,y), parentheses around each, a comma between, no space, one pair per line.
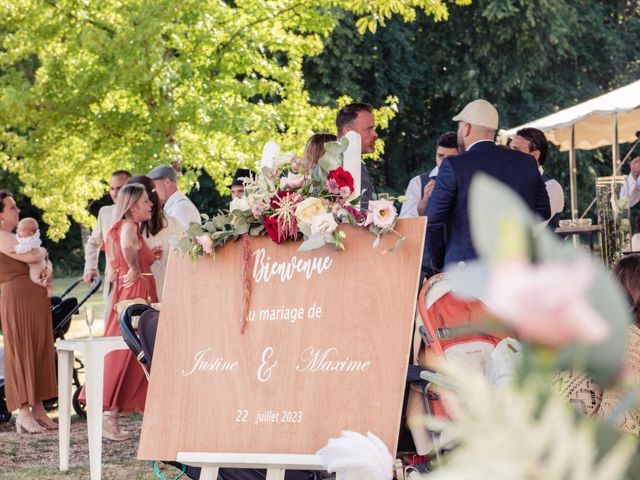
(206,242)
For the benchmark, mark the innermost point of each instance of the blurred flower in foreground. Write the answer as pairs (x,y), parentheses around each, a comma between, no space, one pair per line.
(547,304)
(552,442)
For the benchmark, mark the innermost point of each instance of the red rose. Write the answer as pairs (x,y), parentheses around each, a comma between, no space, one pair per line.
(338,179)
(271,224)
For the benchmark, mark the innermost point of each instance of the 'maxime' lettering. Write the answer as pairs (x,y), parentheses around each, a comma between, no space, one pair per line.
(317,360)
(264,269)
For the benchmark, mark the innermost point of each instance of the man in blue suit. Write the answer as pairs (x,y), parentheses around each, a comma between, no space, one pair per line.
(448,232)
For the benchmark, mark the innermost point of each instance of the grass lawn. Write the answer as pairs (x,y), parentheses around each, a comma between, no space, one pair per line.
(25,456)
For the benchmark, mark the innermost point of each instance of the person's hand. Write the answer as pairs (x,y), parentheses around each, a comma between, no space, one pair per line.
(426,193)
(46,276)
(88,276)
(133,275)
(635,167)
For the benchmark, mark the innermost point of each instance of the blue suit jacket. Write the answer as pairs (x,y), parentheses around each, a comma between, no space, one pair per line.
(448,232)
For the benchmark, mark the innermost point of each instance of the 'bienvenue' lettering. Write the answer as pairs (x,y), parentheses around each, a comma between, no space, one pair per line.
(264,269)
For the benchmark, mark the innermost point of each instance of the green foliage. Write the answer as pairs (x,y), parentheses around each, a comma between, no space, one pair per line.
(90,87)
(529,57)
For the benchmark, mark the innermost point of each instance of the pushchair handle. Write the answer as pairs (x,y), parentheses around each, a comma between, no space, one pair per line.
(129,334)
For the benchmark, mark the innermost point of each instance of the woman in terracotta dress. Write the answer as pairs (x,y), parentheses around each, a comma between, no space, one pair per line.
(125,385)
(25,313)
(158,231)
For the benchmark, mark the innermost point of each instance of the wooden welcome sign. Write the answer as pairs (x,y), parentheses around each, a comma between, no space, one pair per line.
(326,348)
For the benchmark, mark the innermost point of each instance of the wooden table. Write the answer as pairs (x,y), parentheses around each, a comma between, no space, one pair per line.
(591,230)
(93,350)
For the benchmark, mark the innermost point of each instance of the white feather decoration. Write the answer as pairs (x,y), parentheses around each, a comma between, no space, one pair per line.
(356,457)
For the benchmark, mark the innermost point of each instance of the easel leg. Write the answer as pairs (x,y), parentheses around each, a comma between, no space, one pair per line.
(275,474)
(209,473)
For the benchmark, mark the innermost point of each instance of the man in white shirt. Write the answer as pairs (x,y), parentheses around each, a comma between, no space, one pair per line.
(533,142)
(631,188)
(98,239)
(420,187)
(98,236)
(176,204)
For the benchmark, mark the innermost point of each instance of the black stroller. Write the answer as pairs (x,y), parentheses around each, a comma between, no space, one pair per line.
(62,309)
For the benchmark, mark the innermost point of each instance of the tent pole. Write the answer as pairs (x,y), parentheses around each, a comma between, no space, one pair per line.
(572,174)
(615,148)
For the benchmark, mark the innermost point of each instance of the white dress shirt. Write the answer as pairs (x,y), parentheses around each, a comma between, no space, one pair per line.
(98,238)
(414,194)
(631,189)
(182,209)
(556,195)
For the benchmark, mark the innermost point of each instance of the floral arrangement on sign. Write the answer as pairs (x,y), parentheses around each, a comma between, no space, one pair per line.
(514,417)
(288,203)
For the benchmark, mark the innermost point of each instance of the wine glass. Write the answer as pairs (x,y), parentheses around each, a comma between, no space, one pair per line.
(88,317)
(157,249)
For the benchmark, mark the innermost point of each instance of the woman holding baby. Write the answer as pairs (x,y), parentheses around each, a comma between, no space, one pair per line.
(25,315)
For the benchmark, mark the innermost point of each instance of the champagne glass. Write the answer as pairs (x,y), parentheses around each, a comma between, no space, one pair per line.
(88,317)
(157,249)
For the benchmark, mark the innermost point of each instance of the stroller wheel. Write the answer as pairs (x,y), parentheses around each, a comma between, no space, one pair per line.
(5,415)
(78,407)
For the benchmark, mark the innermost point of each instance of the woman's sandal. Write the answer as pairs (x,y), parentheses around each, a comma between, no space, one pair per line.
(110,433)
(31,425)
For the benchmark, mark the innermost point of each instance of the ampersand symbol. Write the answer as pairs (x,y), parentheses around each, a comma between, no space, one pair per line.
(265,369)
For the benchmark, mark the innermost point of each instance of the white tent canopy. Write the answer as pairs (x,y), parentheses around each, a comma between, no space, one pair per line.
(594,121)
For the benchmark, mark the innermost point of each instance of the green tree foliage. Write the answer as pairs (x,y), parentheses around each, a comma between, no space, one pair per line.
(90,87)
(529,57)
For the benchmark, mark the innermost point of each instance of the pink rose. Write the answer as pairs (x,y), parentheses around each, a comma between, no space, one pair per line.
(546,304)
(292,180)
(206,242)
(382,213)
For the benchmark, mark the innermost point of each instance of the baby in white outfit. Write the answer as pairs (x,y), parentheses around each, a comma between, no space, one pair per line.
(28,236)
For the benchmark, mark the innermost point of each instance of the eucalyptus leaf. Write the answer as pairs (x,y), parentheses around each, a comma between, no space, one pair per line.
(313,242)
(305,228)
(184,244)
(376,242)
(195,229)
(257,230)
(242,228)
(221,220)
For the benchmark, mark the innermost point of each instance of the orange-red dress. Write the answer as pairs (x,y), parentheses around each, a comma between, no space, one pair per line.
(29,356)
(125,386)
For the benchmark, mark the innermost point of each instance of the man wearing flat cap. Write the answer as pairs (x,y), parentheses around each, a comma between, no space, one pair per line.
(176,204)
(237,184)
(448,234)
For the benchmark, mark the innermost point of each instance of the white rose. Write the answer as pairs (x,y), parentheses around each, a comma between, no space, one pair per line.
(309,208)
(241,204)
(324,223)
